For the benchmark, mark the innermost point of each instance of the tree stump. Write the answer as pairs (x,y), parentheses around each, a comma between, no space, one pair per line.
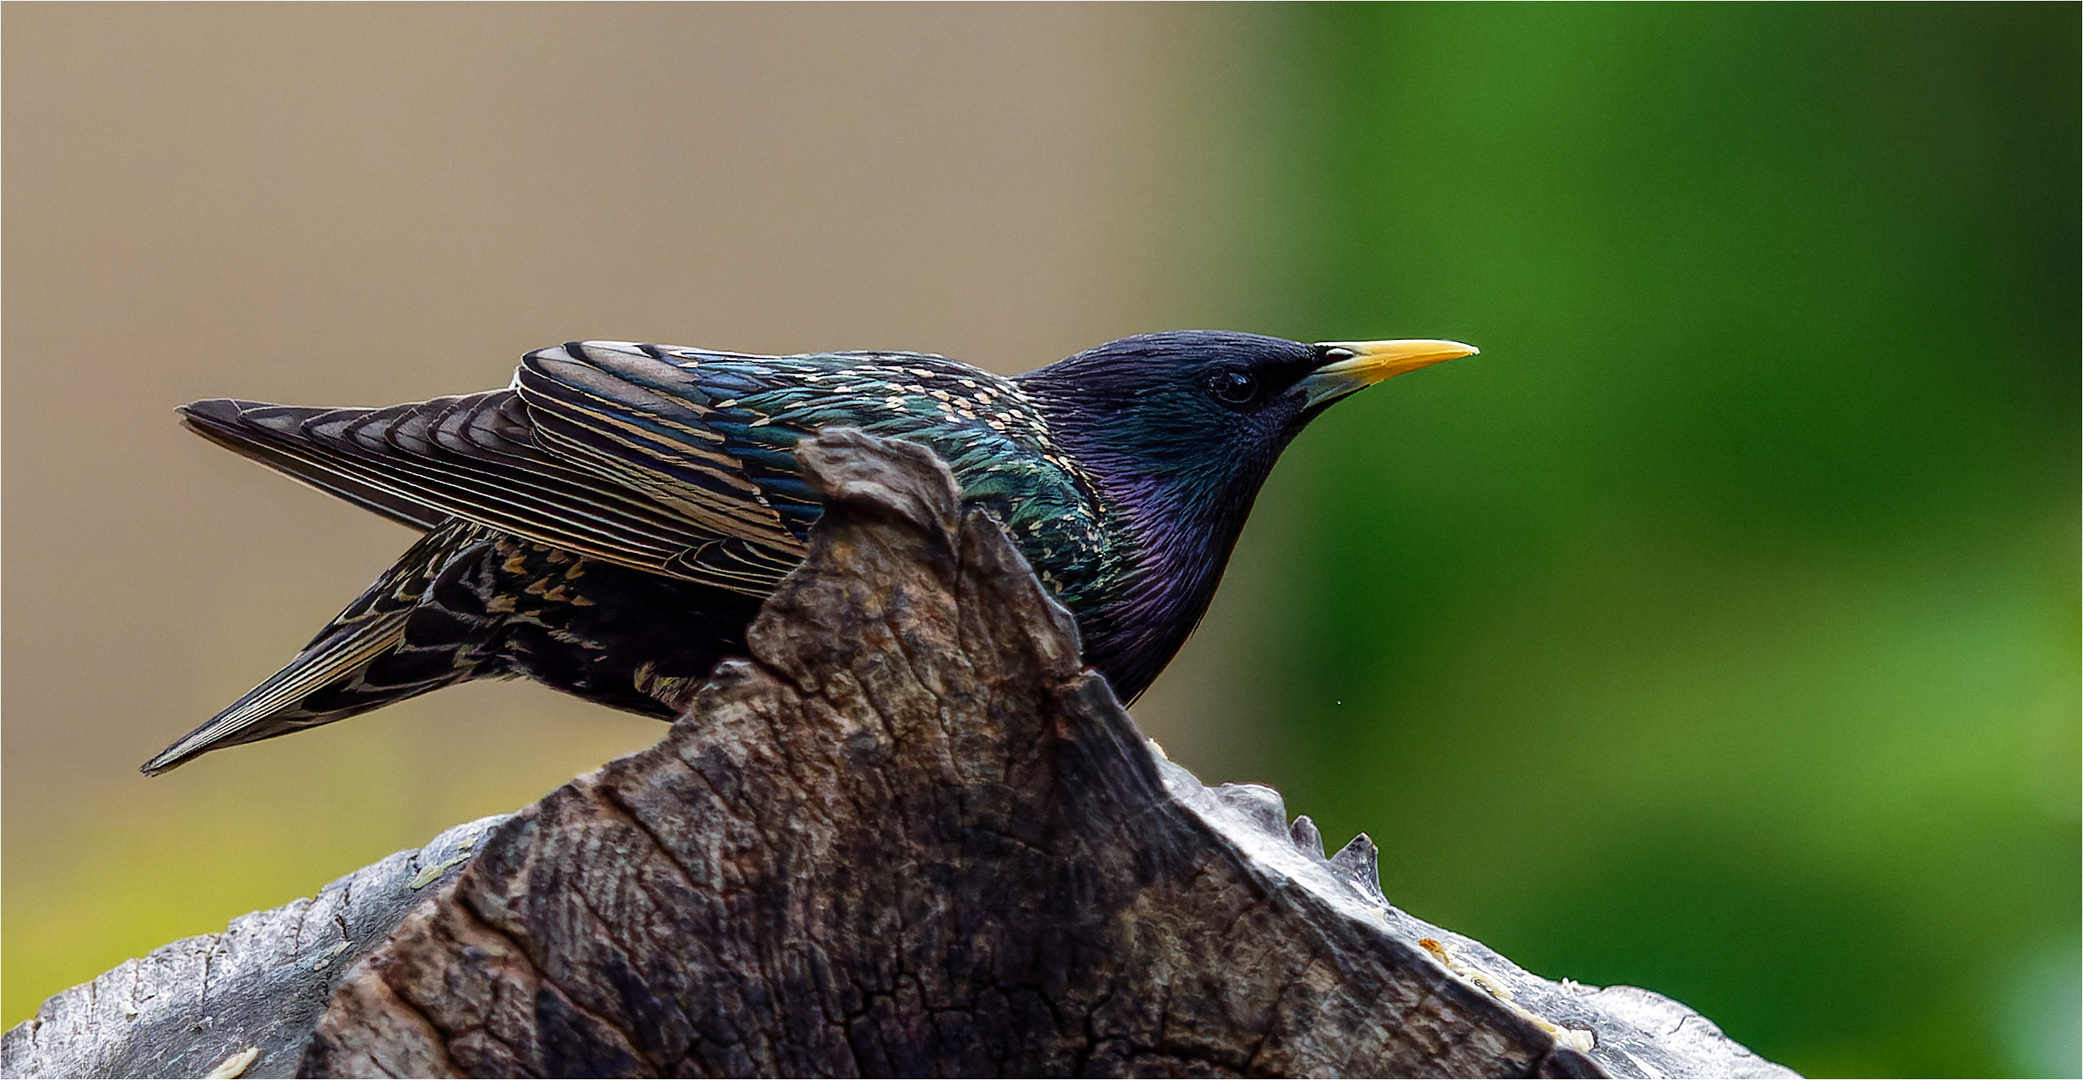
(911,835)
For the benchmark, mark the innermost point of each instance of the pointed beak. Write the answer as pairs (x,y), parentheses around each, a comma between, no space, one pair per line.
(1356,365)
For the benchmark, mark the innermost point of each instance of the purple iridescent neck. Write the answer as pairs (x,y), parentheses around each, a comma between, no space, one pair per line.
(1173,540)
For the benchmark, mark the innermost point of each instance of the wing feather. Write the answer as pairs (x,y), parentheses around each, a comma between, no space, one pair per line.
(470,457)
(217,420)
(601,404)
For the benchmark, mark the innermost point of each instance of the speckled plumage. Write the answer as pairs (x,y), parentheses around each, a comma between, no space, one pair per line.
(609,523)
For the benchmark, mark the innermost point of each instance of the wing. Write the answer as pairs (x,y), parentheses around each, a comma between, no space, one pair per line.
(673,461)
(654,420)
(218,420)
(473,457)
(713,435)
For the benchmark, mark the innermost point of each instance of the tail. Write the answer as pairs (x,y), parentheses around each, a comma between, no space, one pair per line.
(386,647)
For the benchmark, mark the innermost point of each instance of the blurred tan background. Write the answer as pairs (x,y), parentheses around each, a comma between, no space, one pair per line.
(369,204)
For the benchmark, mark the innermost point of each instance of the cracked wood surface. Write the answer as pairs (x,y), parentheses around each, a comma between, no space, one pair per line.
(911,836)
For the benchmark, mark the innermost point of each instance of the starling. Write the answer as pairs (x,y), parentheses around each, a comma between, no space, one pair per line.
(610,522)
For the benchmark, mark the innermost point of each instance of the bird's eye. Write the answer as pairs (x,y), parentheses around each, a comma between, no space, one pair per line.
(1234,387)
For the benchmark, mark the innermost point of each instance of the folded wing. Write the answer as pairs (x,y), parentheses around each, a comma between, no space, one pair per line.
(484,458)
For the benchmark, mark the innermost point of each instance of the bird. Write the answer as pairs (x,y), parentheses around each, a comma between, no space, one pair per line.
(610,522)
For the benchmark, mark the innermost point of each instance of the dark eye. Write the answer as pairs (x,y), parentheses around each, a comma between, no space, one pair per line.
(1234,387)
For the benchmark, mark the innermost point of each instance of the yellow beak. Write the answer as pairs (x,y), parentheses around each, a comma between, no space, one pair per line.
(1355,365)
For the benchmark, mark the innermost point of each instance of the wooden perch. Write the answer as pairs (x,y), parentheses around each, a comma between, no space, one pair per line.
(911,836)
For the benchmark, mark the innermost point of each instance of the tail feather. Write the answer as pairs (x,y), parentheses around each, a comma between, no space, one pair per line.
(275,706)
(385,647)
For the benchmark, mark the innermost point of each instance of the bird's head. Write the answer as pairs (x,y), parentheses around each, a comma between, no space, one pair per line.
(1190,422)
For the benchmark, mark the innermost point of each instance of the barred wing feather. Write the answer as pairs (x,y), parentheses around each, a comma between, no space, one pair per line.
(648,424)
(475,457)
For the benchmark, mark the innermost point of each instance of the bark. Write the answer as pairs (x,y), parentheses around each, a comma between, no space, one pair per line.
(910,836)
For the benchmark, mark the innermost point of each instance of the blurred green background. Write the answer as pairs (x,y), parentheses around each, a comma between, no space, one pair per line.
(1714,631)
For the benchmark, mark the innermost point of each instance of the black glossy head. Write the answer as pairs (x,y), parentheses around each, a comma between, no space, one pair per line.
(1190,418)
(1180,429)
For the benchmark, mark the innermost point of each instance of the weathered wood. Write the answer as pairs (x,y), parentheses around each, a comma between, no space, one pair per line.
(912,835)
(190,1006)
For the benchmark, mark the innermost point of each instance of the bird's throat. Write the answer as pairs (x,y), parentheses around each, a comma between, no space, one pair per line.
(1178,545)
